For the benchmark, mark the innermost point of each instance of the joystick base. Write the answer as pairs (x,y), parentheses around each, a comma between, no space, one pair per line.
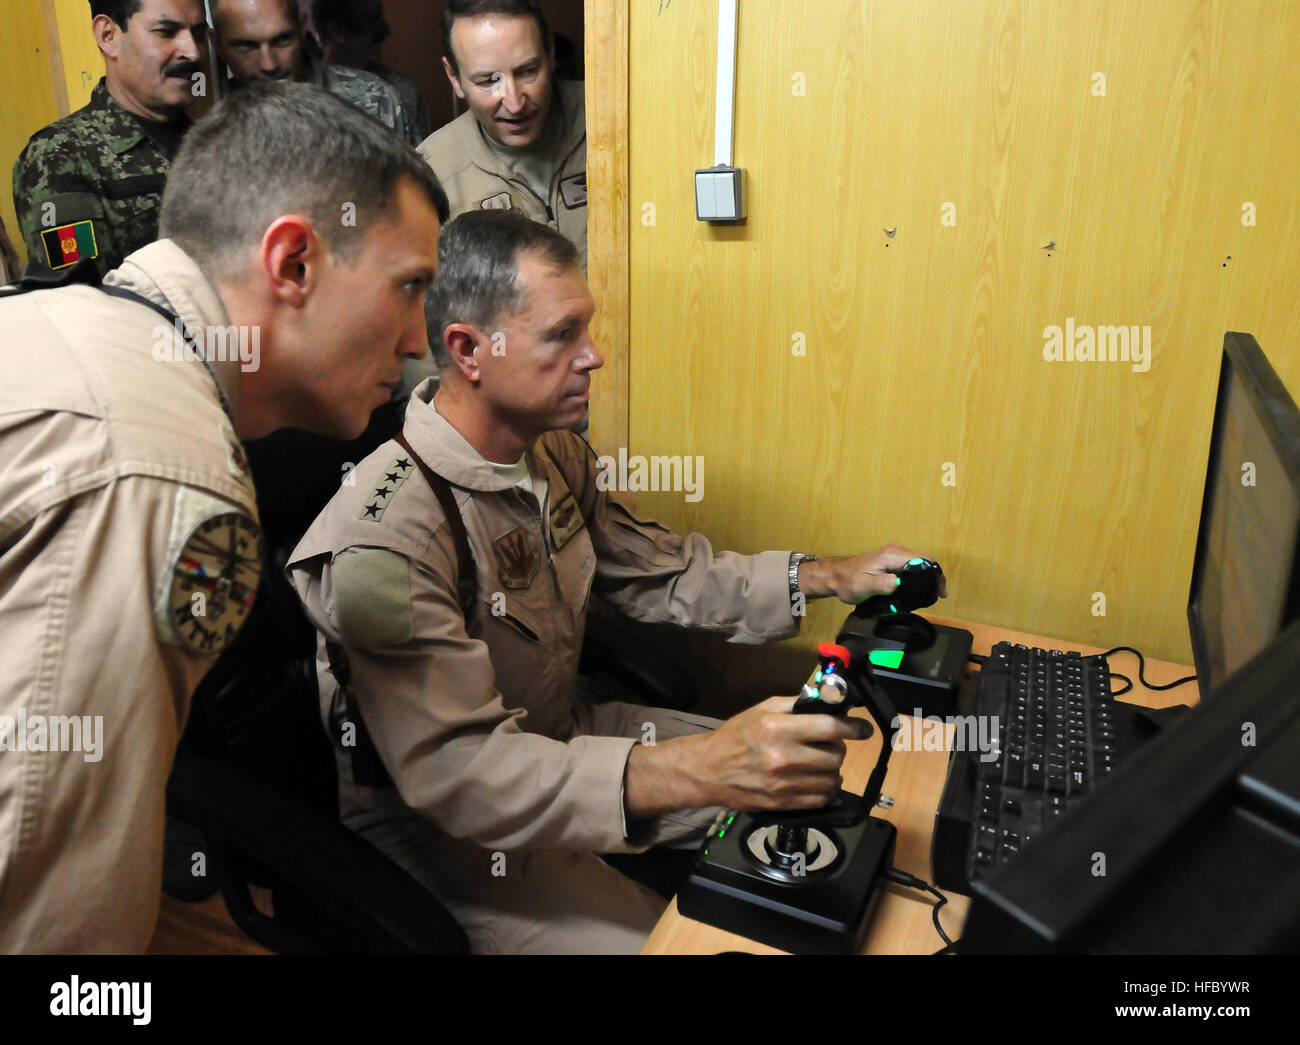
(735,885)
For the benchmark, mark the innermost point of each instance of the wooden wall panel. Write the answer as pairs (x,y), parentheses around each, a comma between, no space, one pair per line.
(27,90)
(926,348)
(607,215)
(83,64)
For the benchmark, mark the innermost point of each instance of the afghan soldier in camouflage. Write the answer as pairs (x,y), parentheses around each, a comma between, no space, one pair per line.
(90,185)
(265,40)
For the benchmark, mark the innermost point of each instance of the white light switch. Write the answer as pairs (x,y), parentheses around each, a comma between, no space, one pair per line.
(720,194)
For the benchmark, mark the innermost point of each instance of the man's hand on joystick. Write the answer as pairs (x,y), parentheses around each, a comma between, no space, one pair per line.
(855,578)
(761,759)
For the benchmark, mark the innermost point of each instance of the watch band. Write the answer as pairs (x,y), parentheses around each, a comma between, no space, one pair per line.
(796,558)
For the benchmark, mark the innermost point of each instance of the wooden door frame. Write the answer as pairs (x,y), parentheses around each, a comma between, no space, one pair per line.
(606,38)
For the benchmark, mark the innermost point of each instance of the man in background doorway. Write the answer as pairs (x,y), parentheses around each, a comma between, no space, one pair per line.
(522,144)
(350,33)
(266,40)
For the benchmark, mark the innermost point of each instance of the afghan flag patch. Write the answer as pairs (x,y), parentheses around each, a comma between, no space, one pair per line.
(69,244)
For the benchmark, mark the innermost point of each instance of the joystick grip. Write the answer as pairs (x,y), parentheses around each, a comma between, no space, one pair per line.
(831,671)
(918,586)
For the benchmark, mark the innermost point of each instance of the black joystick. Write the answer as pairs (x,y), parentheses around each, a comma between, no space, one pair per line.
(918,587)
(894,626)
(827,693)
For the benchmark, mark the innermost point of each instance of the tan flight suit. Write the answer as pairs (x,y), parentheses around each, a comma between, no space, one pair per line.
(506,784)
(122,495)
(474,176)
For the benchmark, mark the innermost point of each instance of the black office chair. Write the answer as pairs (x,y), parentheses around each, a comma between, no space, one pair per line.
(255,771)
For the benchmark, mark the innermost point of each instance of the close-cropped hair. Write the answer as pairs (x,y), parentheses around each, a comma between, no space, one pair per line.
(478,270)
(271,149)
(120,11)
(289,8)
(478,8)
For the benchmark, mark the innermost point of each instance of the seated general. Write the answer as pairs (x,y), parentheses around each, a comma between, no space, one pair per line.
(449,578)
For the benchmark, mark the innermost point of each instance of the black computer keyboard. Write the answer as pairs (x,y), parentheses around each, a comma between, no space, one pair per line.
(1059,732)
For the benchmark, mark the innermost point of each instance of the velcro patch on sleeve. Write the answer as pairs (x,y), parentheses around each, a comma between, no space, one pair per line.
(372,598)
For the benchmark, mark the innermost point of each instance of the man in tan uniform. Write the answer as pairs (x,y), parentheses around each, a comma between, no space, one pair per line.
(129,543)
(495,785)
(522,142)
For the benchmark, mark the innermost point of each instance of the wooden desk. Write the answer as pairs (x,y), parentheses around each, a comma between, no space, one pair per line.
(901,924)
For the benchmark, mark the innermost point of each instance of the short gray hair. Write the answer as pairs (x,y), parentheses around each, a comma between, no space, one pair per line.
(478,270)
(271,149)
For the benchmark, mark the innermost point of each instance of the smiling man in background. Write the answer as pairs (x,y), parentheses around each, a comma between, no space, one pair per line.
(522,144)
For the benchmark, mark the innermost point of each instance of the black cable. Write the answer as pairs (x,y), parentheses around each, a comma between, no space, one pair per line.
(975,658)
(1121,692)
(1142,668)
(912,882)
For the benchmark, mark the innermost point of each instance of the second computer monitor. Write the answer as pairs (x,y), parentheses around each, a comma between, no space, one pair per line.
(1246,576)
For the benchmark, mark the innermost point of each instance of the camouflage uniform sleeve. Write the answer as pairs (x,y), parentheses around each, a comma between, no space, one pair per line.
(55,186)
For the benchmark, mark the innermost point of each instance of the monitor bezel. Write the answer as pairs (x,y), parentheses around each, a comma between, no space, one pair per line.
(1281,421)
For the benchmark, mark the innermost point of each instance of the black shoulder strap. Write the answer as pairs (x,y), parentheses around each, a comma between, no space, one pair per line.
(173,320)
(85,273)
(368,767)
(466,582)
(37,276)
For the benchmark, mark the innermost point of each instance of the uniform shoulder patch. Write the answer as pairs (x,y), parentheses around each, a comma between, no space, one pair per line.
(382,495)
(212,577)
(68,244)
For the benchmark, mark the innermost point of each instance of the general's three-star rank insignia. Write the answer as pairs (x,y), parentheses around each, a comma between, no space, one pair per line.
(566,520)
(394,475)
(517,560)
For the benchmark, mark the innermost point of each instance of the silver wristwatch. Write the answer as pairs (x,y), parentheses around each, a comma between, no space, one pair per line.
(795,559)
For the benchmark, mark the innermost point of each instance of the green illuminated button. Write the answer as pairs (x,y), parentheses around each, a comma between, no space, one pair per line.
(886,658)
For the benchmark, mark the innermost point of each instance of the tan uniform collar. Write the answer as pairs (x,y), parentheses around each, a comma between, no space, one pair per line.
(568,94)
(449,453)
(167,276)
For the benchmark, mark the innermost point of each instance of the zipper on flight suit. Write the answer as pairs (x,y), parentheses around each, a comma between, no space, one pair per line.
(555,181)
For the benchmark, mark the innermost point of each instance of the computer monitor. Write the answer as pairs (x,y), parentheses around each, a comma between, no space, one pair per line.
(1246,575)
(1192,848)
